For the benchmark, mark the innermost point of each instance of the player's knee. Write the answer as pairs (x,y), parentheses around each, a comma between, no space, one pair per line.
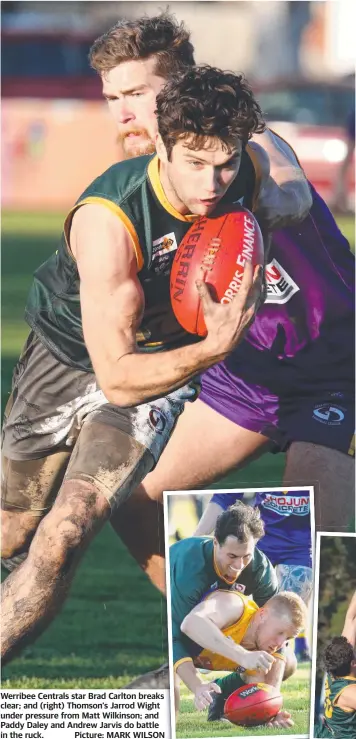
(17,530)
(291,664)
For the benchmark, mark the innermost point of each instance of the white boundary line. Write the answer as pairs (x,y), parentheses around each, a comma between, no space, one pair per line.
(166,495)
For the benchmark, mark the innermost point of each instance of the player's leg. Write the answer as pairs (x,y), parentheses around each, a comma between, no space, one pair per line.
(204,446)
(104,465)
(332,472)
(114,451)
(32,464)
(27,493)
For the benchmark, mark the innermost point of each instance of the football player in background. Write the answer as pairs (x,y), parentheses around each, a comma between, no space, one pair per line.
(290,385)
(339,719)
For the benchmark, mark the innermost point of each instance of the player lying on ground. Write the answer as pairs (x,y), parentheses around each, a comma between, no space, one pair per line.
(339,719)
(80,406)
(290,385)
(287,539)
(221,631)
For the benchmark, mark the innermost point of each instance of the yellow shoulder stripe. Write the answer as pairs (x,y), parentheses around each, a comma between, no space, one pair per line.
(119,213)
(153,174)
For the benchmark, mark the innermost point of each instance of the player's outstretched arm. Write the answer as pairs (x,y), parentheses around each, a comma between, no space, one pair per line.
(284,197)
(208,520)
(204,626)
(349,630)
(112,303)
(203,692)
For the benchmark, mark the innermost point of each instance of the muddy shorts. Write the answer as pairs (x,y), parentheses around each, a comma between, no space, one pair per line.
(58,424)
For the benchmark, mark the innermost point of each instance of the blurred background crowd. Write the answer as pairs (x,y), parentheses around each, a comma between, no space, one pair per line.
(57,134)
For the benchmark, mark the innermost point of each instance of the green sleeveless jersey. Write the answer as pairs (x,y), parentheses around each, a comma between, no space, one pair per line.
(195,574)
(133,192)
(340,722)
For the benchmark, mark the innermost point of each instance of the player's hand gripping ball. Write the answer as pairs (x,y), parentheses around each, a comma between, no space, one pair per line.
(214,250)
(253,704)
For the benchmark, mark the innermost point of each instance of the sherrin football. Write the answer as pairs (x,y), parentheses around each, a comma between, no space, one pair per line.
(253,704)
(215,250)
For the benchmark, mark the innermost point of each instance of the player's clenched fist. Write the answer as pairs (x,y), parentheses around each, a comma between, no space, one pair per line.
(258,661)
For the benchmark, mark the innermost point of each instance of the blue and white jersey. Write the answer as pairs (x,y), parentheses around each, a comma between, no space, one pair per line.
(286,516)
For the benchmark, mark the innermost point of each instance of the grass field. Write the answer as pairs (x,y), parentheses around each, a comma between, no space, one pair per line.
(112,626)
(192,723)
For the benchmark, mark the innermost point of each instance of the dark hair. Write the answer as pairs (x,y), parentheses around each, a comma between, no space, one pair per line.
(239,520)
(161,37)
(205,101)
(338,656)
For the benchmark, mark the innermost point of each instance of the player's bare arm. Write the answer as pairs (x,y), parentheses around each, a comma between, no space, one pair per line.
(284,197)
(202,691)
(349,630)
(112,304)
(204,626)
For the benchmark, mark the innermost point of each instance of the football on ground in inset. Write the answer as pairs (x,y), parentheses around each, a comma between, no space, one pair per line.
(296,697)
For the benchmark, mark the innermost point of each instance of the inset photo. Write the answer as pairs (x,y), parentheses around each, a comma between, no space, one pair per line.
(239,585)
(334,657)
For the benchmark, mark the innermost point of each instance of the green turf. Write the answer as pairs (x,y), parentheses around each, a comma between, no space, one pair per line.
(192,723)
(110,628)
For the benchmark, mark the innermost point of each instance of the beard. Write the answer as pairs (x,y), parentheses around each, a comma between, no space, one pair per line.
(134,149)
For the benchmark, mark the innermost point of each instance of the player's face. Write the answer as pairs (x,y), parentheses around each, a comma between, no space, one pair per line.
(273,631)
(131,89)
(232,556)
(195,181)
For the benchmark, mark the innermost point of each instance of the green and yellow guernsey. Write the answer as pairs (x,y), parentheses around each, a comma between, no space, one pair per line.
(133,192)
(338,722)
(194,575)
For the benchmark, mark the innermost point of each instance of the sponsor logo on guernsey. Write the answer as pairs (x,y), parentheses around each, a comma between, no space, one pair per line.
(238,586)
(163,245)
(280,286)
(330,415)
(286,505)
(157,420)
(162,249)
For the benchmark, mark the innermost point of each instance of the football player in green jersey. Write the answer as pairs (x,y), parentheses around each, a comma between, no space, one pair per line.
(133,59)
(107,369)
(339,719)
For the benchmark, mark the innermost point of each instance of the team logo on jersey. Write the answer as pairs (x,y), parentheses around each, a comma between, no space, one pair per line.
(157,420)
(280,286)
(238,586)
(163,245)
(286,505)
(330,415)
